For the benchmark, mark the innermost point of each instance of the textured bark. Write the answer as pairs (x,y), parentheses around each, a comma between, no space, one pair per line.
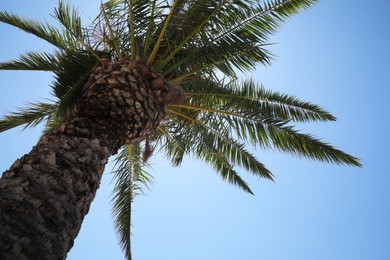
(45,195)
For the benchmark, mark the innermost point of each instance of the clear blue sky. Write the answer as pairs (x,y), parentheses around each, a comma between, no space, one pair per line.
(336,55)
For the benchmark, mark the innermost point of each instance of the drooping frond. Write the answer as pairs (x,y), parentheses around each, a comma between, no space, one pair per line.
(29,116)
(208,153)
(213,145)
(122,199)
(130,177)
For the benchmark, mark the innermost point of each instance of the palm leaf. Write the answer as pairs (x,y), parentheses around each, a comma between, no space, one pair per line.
(75,69)
(42,30)
(210,143)
(235,37)
(70,19)
(263,120)
(129,177)
(287,139)
(252,100)
(72,30)
(32,61)
(29,116)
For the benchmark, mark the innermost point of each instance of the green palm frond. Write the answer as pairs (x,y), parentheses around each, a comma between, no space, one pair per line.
(252,101)
(114,38)
(203,35)
(130,177)
(53,121)
(42,30)
(221,164)
(32,61)
(203,145)
(264,122)
(29,116)
(235,37)
(72,31)
(197,14)
(212,144)
(70,19)
(171,145)
(75,69)
(288,140)
(71,37)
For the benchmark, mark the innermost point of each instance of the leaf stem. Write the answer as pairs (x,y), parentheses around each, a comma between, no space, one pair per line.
(160,37)
(150,29)
(114,40)
(132,33)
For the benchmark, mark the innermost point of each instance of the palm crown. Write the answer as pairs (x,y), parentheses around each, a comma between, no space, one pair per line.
(198,45)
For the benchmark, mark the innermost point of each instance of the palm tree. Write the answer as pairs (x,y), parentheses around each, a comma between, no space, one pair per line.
(146,75)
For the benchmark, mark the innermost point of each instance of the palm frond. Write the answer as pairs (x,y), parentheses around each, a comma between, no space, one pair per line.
(30,116)
(207,142)
(252,100)
(131,29)
(32,61)
(221,165)
(70,19)
(236,37)
(72,30)
(75,69)
(53,121)
(129,176)
(42,30)
(195,36)
(287,139)
(171,143)
(135,32)
(250,113)
(276,134)
(194,26)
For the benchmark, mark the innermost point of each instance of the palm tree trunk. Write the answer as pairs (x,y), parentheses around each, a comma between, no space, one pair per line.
(45,195)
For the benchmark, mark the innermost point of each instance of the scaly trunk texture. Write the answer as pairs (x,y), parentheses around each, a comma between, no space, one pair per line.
(45,195)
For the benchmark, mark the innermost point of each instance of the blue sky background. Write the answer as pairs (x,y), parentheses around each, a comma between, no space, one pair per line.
(335,55)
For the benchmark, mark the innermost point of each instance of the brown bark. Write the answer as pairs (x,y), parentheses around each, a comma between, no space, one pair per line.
(45,195)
